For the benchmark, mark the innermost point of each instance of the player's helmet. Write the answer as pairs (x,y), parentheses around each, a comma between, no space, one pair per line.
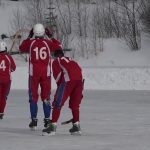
(39,30)
(3,46)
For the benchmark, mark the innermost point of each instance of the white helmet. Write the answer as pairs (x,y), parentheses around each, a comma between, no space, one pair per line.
(39,30)
(3,46)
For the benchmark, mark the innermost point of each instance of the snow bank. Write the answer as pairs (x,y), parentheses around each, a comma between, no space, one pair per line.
(98,78)
(117,54)
(117,78)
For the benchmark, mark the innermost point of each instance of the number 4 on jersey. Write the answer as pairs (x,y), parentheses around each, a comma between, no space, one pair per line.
(2,65)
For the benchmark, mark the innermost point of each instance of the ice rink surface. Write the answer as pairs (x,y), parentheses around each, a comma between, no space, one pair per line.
(110,120)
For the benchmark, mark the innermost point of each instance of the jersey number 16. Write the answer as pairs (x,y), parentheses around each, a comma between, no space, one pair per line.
(40,53)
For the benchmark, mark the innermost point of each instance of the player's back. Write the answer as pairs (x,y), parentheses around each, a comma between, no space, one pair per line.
(5,66)
(71,69)
(39,52)
(39,55)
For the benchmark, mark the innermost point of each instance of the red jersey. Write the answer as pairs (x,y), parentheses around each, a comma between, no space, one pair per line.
(39,50)
(7,65)
(66,69)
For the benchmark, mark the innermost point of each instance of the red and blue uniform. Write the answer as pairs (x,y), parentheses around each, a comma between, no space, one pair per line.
(39,50)
(7,65)
(68,76)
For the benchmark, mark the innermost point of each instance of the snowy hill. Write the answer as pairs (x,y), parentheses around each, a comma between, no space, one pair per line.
(116,62)
(117,54)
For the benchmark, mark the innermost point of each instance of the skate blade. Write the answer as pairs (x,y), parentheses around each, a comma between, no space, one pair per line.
(76,133)
(48,134)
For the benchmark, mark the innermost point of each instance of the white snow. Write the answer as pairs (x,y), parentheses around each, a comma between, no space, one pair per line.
(98,78)
(110,120)
(117,68)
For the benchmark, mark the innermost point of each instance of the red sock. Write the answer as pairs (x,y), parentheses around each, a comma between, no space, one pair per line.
(55,114)
(75,114)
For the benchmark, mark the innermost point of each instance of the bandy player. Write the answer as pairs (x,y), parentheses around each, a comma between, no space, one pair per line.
(7,65)
(39,49)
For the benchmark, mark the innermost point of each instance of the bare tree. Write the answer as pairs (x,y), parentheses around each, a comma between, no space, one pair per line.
(85,21)
(129,24)
(35,9)
(64,23)
(18,23)
(116,21)
(78,17)
(69,17)
(94,35)
(99,25)
(51,18)
(145,15)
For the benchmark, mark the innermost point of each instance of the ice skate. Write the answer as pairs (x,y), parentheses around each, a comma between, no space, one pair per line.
(46,122)
(33,124)
(75,130)
(50,130)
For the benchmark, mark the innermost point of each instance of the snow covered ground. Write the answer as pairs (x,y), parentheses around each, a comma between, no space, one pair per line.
(110,120)
(117,54)
(117,68)
(98,78)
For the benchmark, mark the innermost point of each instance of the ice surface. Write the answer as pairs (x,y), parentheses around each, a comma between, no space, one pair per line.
(110,120)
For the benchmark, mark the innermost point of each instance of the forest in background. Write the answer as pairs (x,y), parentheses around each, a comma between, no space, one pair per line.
(83,25)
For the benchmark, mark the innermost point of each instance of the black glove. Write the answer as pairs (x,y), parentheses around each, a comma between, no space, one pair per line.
(48,32)
(3,36)
(31,33)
